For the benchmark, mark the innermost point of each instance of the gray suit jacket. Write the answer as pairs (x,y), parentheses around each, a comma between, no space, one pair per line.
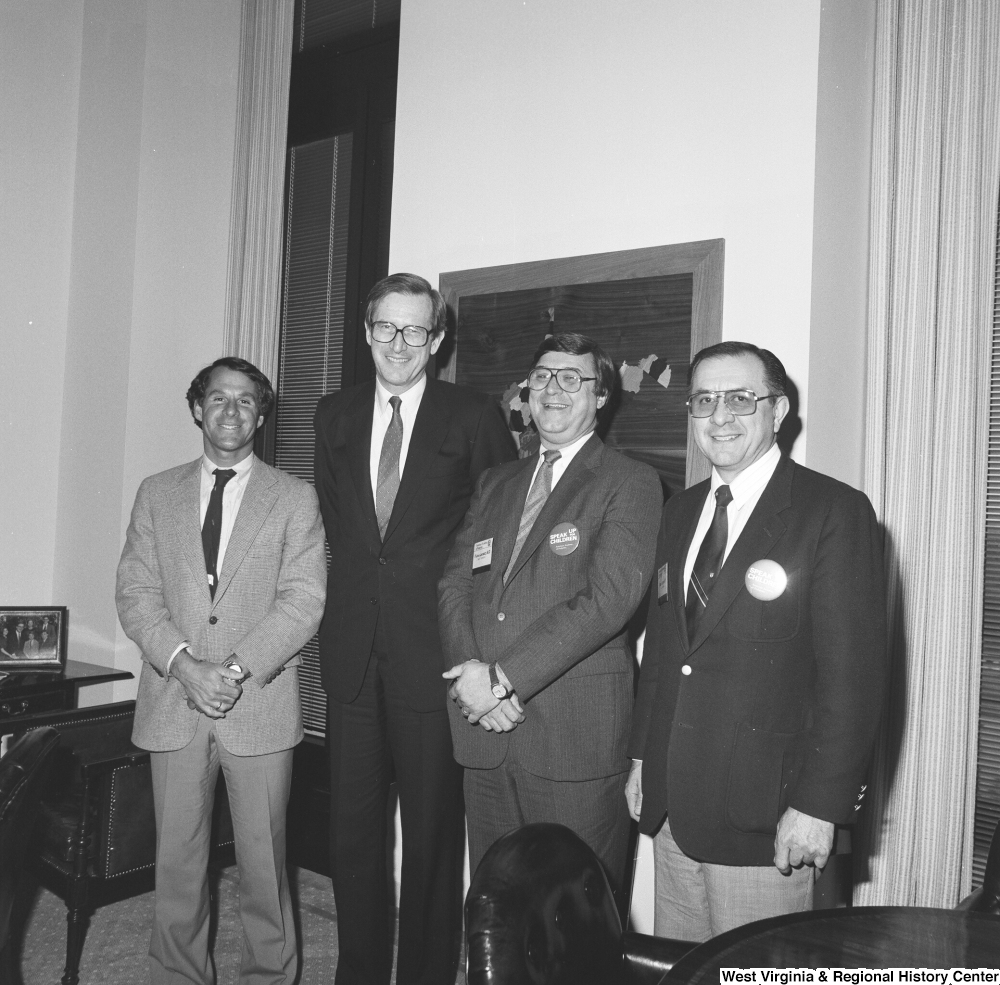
(558,627)
(268,604)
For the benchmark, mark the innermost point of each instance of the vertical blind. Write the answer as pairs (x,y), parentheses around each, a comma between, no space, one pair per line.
(988,778)
(312,330)
(327,21)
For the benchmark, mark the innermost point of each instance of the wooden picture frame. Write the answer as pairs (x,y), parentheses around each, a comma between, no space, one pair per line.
(41,645)
(665,299)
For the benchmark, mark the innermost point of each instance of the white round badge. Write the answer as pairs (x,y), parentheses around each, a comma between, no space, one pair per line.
(766,580)
(564,538)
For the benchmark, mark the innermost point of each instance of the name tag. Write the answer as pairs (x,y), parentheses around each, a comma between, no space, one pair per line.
(662,584)
(482,554)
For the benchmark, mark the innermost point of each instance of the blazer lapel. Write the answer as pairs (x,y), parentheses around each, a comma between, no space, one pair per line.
(574,478)
(185,505)
(259,498)
(359,443)
(763,528)
(429,431)
(678,551)
(513,496)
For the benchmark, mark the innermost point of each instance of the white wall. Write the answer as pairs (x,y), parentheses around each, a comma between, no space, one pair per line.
(116,134)
(529,130)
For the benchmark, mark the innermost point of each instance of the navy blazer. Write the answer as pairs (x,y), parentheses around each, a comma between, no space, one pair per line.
(457,434)
(773,703)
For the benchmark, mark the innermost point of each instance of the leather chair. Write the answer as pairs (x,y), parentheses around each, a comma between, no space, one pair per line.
(986,899)
(540,911)
(97,827)
(21,772)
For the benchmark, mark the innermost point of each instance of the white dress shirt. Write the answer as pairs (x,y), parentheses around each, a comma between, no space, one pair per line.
(409,404)
(746,489)
(232,496)
(566,454)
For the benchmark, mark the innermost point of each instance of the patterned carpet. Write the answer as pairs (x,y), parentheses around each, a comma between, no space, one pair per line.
(114,952)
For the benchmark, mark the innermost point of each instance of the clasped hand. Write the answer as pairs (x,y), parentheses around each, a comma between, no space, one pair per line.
(211,688)
(471,691)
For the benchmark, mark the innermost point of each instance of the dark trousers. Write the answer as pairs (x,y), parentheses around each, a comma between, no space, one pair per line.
(376,739)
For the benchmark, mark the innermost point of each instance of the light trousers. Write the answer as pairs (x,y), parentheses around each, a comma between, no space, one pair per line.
(699,900)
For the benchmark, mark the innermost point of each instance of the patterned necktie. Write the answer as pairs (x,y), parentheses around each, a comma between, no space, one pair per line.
(387,484)
(537,495)
(708,564)
(211,531)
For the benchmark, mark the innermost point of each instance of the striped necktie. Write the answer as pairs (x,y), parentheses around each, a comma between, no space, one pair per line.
(387,484)
(539,492)
(708,564)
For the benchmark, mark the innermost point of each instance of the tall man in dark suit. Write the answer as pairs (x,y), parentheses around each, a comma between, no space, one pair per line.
(220,584)
(552,561)
(396,462)
(764,665)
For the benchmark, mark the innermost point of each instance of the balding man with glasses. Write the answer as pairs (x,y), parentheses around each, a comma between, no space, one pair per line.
(551,563)
(764,664)
(397,459)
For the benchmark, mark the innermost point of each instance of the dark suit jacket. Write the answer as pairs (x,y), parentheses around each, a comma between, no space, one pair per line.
(783,697)
(458,432)
(558,626)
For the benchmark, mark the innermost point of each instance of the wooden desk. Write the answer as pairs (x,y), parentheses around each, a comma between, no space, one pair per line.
(23,695)
(855,937)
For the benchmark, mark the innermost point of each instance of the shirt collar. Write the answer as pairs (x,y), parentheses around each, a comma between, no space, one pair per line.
(411,396)
(752,479)
(240,468)
(568,452)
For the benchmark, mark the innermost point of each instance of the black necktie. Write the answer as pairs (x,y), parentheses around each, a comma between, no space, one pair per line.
(211,531)
(708,564)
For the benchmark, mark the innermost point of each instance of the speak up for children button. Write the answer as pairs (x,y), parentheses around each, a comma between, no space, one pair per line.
(766,579)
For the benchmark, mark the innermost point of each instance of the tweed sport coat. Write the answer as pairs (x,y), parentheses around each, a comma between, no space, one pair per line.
(267,606)
(558,627)
(774,703)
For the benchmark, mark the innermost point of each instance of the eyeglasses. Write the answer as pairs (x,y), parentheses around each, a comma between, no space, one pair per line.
(741,403)
(568,379)
(385,331)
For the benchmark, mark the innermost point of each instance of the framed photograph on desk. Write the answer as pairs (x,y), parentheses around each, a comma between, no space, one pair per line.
(33,640)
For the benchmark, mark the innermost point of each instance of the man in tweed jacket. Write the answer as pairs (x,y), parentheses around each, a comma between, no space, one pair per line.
(538,646)
(219,683)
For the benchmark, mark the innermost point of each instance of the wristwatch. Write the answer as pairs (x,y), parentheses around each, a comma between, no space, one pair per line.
(496,685)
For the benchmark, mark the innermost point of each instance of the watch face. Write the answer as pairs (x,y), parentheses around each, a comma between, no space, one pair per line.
(499,691)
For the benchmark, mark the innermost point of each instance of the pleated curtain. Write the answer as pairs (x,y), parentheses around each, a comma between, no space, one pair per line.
(253,305)
(936,173)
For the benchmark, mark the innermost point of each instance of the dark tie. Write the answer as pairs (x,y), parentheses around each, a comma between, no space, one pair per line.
(211,530)
(539,492)
(387,483)
(708,564)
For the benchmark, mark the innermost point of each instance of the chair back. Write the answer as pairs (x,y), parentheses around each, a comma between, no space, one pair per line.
(540,911)
(21,771)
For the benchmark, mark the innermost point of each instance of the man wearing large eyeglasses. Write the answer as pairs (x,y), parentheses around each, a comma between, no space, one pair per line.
(552,561)
(396,462)
(764,663)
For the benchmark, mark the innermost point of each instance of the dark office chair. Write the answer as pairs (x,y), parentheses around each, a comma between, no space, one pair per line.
(986,899)
(540,911)
(21,772)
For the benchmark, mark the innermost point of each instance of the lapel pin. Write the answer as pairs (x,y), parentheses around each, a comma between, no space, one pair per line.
(564,538)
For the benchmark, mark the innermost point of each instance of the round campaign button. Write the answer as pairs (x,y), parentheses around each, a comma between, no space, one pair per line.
(766,579)
(564,538)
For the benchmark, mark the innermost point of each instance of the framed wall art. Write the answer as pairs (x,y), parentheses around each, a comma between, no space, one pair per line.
(650,309)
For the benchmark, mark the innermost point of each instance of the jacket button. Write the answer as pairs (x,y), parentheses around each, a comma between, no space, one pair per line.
(212,620)
(500,617)
(381,560)
(374,601)
(686,669)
